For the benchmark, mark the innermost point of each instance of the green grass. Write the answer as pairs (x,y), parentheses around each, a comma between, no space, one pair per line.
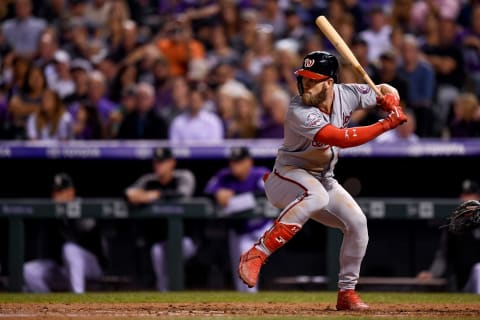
(230,296)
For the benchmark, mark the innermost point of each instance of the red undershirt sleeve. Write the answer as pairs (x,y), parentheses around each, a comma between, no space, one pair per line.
(348,137)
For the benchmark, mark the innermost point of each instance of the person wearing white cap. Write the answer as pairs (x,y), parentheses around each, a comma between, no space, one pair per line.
(62,81)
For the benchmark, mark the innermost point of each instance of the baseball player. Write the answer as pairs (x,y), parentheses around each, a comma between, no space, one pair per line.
(234,190)
(166,182)
(82,253)
(302,182)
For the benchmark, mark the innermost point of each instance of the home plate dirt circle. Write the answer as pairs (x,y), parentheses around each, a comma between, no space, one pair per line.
(147,310)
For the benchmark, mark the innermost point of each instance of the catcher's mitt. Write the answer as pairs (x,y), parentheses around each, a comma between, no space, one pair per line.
(465,217)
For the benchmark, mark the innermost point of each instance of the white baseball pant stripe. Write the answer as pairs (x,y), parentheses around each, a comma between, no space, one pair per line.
(306,197)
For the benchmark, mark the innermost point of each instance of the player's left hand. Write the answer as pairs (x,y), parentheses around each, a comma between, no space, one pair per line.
(395,118)
(388,102)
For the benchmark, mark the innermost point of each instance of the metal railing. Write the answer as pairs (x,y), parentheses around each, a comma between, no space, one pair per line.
(18,210)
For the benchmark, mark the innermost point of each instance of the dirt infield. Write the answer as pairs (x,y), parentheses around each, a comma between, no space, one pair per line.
(260,309)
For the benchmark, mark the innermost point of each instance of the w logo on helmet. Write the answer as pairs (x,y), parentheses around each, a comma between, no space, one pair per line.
(308,63)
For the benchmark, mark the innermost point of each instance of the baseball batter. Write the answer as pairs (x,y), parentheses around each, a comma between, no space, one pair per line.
(302,182)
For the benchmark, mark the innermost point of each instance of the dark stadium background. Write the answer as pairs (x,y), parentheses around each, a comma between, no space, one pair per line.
(397,247)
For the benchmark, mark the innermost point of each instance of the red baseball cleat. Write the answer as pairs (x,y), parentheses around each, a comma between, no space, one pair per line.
(250,264)
(349,300)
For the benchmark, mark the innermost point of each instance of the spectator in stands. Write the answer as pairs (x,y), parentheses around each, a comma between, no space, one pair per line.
(294,27)
(82,256)
(164,184)
(404,133)
(378,33)
(127,42)
(97,12)
(180,99)
(163,83)
(220,48)
(470,41)
(77,11)
(447,60)
(272,121)
(420,79)
(97,97)
(335,11)
(246,38)
(51,121)
(458,256)
(196,124)
(271,14)
(179,47)
(105,63)
(62,80)
(286,59)
(235,190)
(47,47)
(466,121)
(267,79)
(428,34)
(244,124)
(77,41)
(15,72)
(444,9)
(225,104)
(225,79)
(87,123)
(80,70)
(396,38)
(347,74)
(360,49)
(27,100)
(23,32)
(262,50)
(143,122)
(401,16)
(229,17)
(128,101)
(125,76)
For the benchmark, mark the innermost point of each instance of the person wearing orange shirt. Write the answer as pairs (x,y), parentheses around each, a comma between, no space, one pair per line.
(180,48)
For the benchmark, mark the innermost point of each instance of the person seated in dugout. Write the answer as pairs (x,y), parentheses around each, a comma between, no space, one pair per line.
(166,182)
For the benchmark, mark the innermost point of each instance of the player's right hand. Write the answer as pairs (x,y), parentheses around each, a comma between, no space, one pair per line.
(388,102)
(395,118)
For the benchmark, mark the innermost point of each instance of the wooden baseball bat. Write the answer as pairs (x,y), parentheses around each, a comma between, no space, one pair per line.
(329,31)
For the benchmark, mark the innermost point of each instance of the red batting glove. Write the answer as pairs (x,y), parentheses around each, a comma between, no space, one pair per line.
(388,101)
(395,118)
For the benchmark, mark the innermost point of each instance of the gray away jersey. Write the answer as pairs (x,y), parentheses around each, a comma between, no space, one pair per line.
(303,122)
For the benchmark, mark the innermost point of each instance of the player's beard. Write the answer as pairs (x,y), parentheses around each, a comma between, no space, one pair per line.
(314,99)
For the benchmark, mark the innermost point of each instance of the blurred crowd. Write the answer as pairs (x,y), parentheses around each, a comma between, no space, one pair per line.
(192,71)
